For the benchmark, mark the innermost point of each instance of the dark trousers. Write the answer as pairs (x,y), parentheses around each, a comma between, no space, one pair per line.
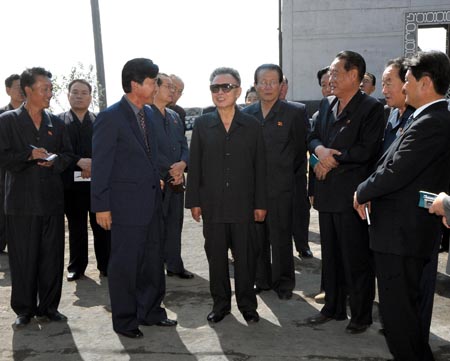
(136,275)
(347,265)
(2,211)
(241,239)
(399,281)
(36,259)
(301,207)
(427,289)
(275,267)
(76,207)
(173,208)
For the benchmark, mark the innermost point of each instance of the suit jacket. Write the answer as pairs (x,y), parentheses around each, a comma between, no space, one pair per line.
(284,131)
(227,170)
(30,188)
(80,134)
(172,143)
(357,133)
(125,178)
(418,160)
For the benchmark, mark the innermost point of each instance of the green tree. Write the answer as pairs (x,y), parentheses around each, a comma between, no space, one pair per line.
(80,71)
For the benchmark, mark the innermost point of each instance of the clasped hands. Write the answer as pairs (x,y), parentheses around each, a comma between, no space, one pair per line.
(176,172)
(327,161)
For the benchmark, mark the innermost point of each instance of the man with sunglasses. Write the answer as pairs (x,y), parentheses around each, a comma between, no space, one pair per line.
(226,188)
(284,130)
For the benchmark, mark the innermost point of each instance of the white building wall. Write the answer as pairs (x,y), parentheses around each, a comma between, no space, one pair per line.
(314,31)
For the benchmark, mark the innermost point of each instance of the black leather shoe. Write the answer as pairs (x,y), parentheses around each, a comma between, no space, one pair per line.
(72,276)
(136,333)
(167,322)
(216,317)
(250,316)
(22,321)
(284,295)
(51,317)
(306,254)
(355,328)
(318,319)
(57,317)
(184,274)
(258,289)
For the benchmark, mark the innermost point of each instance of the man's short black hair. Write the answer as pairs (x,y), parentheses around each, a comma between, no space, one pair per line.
(252,89)
(28,77)
(353,60)
(82,81)
(138,70)
(399,63)
(10,80)
(320,74)
(372,78)
(434,64)
(269,67)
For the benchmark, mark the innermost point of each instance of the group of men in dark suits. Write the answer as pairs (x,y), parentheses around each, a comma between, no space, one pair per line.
(401,240)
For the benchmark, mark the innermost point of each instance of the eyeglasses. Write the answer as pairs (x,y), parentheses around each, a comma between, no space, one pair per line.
(270,84)
(226,88)
(178,91)
(168,86)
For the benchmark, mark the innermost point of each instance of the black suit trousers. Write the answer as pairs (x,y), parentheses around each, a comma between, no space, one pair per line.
(275,267)
(347,265)
(241,239)
(399,281)
(36,259)
(173,206)
(301,216)
(76,207)
(136,275)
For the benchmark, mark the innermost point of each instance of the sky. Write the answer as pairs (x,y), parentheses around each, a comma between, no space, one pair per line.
(187,38)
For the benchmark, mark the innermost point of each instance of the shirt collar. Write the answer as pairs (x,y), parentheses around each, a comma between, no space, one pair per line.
(423,107)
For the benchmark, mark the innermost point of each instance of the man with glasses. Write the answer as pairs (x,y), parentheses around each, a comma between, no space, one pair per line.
(34,151)
(12,86)
(284,130)
(173,156)
(226,188)
(178,85)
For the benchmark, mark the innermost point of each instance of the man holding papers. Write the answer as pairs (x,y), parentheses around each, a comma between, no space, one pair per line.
(79,122)
(402,234)
(34,202)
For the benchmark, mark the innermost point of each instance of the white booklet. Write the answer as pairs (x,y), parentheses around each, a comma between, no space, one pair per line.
(77,177)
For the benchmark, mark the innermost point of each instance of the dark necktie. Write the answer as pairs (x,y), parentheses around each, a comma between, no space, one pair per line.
(141,117)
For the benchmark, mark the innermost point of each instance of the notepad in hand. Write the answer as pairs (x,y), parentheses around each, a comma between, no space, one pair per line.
(426,199)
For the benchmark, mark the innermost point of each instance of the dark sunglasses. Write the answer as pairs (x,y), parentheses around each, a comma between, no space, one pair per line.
(226,88)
